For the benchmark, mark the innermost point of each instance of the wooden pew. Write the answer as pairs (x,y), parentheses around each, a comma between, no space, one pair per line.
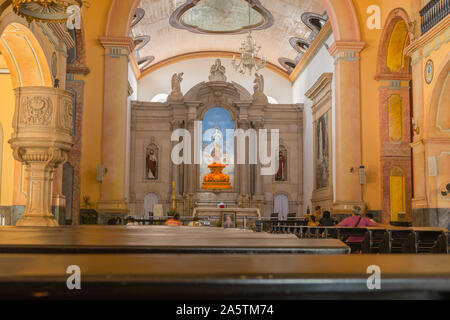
(159,239)
(396,241)
(422,240)
(442,244)
(236,277)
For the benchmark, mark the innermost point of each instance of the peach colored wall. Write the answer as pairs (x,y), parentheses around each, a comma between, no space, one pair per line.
(94,25)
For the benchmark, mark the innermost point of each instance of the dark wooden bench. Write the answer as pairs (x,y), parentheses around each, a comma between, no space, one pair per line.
(422,240)
(442,244)
(159,239)
(236,277)
(396,241)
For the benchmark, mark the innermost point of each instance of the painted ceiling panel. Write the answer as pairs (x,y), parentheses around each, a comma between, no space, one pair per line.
(167,41)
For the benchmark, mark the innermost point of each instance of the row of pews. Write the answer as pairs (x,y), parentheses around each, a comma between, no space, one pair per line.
(157,262)
(376,239)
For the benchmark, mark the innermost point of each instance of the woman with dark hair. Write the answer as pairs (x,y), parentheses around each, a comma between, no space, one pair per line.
(326,220)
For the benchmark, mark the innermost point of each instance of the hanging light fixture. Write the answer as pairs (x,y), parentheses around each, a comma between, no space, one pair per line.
(250,57)
(46,10)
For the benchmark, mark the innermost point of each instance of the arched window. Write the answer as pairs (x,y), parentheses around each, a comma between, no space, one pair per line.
(150,200)
(272,100)
(281,206)
(160,97)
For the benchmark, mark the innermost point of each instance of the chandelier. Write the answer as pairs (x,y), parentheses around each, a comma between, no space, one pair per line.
(250,58)
(46,10)
(249,50)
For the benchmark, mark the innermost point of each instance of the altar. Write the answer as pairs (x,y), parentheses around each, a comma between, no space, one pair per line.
(240,212)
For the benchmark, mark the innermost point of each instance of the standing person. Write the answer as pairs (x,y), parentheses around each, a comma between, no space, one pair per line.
(174,222)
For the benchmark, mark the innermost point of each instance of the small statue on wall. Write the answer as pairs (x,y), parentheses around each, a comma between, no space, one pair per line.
(176,94)
(282,168)
(151,163)
(258,95)
(217,72)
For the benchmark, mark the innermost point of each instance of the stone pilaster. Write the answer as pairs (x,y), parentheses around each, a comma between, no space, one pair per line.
(348,152)
(113,193)
(41,140)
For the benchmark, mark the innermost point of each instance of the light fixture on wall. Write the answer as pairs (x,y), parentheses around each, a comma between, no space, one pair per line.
(52,11)
(250,57)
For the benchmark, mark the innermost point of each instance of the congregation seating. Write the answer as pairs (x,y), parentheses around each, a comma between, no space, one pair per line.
(376,240)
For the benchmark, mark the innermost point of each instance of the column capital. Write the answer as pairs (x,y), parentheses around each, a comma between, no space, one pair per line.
(346,50)
(120,43)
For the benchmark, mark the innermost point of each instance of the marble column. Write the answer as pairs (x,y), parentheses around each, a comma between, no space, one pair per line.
(113,193)
(348,149)
(259,179)
(41,140)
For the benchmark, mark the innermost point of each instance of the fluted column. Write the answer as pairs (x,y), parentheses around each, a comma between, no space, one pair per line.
(113,193)
(348,148)
(244,169)
(41,140)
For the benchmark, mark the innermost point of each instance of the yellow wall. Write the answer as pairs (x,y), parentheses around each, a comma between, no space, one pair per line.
(94,26)
(6,115)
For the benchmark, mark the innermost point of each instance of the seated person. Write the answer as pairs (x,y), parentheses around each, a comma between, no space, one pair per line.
(326,220)
(174,222)
(312,221)
(356,221)
(194,222)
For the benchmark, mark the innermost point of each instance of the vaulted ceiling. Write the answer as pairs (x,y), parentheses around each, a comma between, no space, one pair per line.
(167,41)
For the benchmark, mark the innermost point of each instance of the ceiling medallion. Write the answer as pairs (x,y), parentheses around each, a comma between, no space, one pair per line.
(45,10)
(221,17)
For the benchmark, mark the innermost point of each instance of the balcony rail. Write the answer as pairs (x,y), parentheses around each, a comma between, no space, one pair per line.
(433,12)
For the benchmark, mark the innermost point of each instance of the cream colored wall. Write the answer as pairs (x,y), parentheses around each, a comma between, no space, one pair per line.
(198,70)
(321,63)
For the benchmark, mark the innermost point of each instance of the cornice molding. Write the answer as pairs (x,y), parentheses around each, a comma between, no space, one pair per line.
(428,36)
(120,42)
(324,80)
(206,54)
(324,33)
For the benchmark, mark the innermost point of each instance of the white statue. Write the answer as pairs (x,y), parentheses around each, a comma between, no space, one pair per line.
(217,72)
(258,95)
(176,94)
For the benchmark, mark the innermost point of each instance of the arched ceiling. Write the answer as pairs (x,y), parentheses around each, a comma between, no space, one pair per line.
(167,42)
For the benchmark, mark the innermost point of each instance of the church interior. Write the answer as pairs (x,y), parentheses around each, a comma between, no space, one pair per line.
(222,141)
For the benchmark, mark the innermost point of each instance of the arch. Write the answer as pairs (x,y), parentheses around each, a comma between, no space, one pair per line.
(160,97)
(395,37)
(150,200)
(438,98)
(281,205)
(24,56)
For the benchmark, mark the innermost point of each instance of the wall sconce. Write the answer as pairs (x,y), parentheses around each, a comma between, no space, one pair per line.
(415,127)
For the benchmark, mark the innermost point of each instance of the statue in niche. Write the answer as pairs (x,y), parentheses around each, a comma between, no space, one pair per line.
(151,163)
(258,88)
(322,153)
(176,94)
(217,72)
(282,167)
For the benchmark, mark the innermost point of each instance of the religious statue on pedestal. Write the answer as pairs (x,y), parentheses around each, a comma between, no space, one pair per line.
(258,88)
(176,94)
(217,72)
(151,162)
(217,179)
